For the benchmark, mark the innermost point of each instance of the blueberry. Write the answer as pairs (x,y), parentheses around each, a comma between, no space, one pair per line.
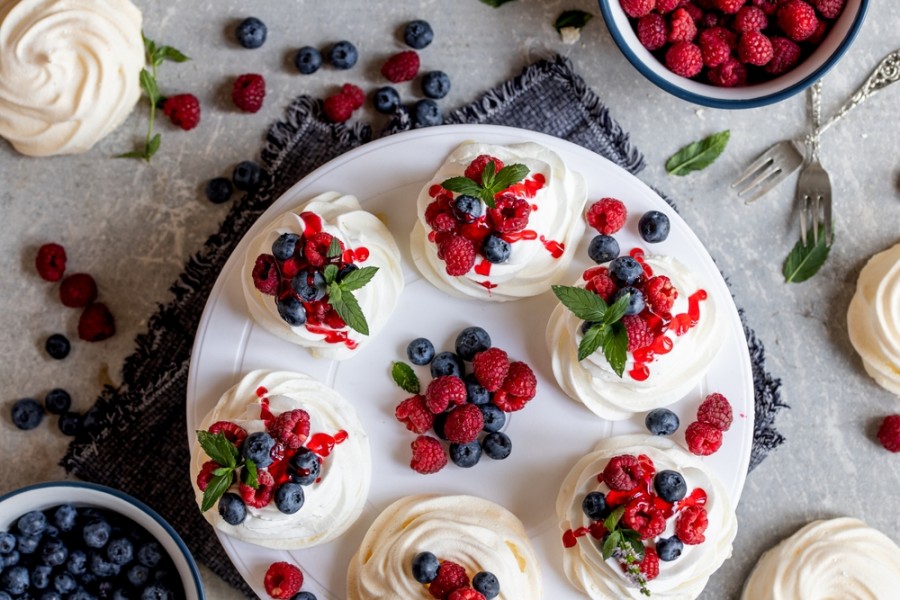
(157,591)
(635,301)
(440,424)
(670,485)
(494,418)
(5,596)
(465,455)
(284,247)
(27,544)
(308,60)
(496,249)
(54,552)
(27,413)
(487,584)
(82,594)
(96,533)
(120,551)
(289,498)
(435,84)
(467,208)
(310,286)
(291,310)
(426,113)
(654,226)
(251,33)
(471,341)
(246,176)
(57,401)
(345,270)
(7,542)
(661,421)
(32,523)
(343,55)
(425,567)
(603,248)
(49,595)
(57,346)
(625,270)
(446,363)
(69,423)
(497,445)
(418,34)
(9,559)
(138,575)
(77,563)
(594,506)
(258,448)
(15,580)
(475,392)
(386,100)
(231,508)
(669,549)
(101,567)
(51,531)
(218,190)
(304,596)
(150,554)
(40,576)
(420,351)
(305,467)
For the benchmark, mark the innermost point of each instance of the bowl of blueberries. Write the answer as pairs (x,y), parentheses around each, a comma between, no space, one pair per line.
(82,541)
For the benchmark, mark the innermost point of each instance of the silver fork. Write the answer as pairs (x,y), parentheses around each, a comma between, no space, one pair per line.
(783,158)
(814,186)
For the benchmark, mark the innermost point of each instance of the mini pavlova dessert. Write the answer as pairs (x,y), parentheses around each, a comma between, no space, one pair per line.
(642,517)
(69,72)
(633,335)
(326,276)
(498,222)
(282,461)
(431,546)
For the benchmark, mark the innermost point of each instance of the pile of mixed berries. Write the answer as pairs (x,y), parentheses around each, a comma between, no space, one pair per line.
(447,580)
(27,413)
(732,42)
(462,407)
(84,553)
(703,436)
(283,582)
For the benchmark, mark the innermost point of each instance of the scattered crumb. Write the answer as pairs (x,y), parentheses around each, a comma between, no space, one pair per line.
(570,35)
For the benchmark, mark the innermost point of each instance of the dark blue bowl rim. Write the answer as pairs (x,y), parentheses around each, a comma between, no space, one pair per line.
(195,573)
(740,103)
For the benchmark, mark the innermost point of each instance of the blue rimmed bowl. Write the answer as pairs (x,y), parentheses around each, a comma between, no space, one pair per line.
(829,52)
(46,495)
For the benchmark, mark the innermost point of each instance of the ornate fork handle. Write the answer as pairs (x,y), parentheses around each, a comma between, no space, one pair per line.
(886,73)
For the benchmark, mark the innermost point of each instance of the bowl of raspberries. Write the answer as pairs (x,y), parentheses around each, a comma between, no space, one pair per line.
(733,53)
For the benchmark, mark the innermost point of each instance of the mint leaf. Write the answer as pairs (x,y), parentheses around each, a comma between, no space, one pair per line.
(153,146)
(149,45)
(508,175)
(610,544)
(334,248)
(495,3)
(335,293)
(612,521)
(217,486)
(172,54)
(148,84)
(358,278)
(698,155)
(584,304)
(405,377)
(615,312)
(223,471)
(487,175)
(349,310)
(218,448)
(594,338)
(330,274)
(615,348)
(572,18)
(251,475)
(462,185)
(133,154)
(804,261)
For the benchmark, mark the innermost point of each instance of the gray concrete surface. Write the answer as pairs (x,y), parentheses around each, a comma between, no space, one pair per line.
(134,225)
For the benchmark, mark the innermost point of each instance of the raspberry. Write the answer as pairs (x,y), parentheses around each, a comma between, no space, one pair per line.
(265,274)
(458,253)
(402,66)
(797,19)
(727,36)
(681,27)
(730,73)
(466,594)
(642,516)
(607,215)
(490,367)
(691,524)
(262,495)
(639,334)
(650,565)
(283,580)
(659,294)
(355,94)
(729,7)
(413,413)
(623,473)
(439,214)
(702,439)
(450,577)
(520,381)
(715,410)
(684,58)
(476,167)
(233,432)
(785,54)
(667,6)
(96,323)
(889,433)
(206,474)
(693,10)
(248,92)
(291,428)
(769,7)
(443,392)
(755,48)
(603,285)
(819,34)
(651,31)
(510,214)
(714,49)
(708,20)
(78,290)
(830,9)
(637,8)
(51,262)
(183,110)
(463,424)
(427,455)
(750,18)
(508,402)
(338,108)
(316,248)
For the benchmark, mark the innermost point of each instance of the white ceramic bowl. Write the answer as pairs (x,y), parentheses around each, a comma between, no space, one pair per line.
(45,495)
(832,48)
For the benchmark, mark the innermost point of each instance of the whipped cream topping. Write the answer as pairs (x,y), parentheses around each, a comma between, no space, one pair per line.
(68,72)
(836,558)
(343,218)
(532,265)
(873,319)
(334,502)
(683,578)
(592,380)
(472,532)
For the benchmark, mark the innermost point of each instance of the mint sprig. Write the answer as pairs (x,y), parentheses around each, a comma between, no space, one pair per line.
(805,260)
(698,155)
(606,331)
(626,546)
(405,377)
(341,298)
(492,182)
(226,454)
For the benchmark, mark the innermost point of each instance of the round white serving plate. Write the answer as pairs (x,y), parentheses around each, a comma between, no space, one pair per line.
(548,436)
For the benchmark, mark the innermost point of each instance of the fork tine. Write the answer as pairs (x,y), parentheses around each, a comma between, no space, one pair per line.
(828,227)
(771,170)
(774,179)
(762,163)
(804,201)
(815,217)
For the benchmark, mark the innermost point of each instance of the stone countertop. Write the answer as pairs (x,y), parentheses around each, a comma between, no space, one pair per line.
(134,225)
